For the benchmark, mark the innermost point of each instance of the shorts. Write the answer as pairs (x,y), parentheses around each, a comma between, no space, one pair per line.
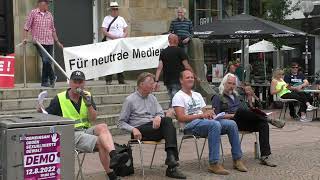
(85,140)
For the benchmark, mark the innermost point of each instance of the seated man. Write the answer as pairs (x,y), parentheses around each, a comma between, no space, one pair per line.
(189,108)
(229,102)
(143,116)
(77,104)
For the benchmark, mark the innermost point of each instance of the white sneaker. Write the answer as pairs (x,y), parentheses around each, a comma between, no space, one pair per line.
(305,119)
(311,108)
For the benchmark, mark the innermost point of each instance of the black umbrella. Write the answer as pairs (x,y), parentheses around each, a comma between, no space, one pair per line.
(244,26)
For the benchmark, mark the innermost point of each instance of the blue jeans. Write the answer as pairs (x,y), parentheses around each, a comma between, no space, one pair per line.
(213,129)
(47,71)
(172,90)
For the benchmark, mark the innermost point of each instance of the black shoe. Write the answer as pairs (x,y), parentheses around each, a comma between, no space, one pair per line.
(122,82)
(295,117)
(113,176)
(53,82)
(171,161)
(45,85)
(266,161)
(108,82)
(175,173)
(118,159)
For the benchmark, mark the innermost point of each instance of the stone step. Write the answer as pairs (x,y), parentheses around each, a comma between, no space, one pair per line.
(106,109)
(21,93)
(31,103)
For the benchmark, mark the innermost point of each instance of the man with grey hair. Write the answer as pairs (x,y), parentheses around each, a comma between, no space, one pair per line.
(143,116)
(182,27)
(229,101)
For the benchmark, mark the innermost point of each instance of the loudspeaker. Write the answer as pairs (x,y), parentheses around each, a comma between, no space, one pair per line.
(6,27)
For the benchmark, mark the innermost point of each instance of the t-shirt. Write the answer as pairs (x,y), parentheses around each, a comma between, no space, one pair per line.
(117,26)
(294,80)
(192,104)
(172,58)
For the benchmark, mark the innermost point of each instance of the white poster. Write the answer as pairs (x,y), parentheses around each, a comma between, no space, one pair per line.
(115,56)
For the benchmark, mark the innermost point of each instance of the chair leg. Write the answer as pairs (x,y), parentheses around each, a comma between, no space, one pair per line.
(196,143)
(204,144)
(80,162)
(258,145)
(285,110)
(241,139)
(282,110)
(182,139)
(154,152)
(222,153)
(141,157)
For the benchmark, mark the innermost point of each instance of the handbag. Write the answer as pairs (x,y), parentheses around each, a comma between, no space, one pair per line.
(105,37)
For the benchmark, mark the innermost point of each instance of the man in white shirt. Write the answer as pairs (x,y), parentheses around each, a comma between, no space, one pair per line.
(189,108)
(114,27)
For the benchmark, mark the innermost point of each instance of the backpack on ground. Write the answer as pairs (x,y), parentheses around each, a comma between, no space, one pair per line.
(127,168)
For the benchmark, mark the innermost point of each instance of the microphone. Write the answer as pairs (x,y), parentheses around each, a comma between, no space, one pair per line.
(80,91)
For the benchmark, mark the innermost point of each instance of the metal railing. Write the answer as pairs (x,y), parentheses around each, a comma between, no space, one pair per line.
(24,46)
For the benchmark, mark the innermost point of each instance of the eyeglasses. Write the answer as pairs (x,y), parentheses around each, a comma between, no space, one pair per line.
(294,67)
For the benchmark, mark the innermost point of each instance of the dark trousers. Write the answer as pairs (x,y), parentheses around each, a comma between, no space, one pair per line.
(301,97)
(166,131)
(120,77)
(47,71)
(250,121)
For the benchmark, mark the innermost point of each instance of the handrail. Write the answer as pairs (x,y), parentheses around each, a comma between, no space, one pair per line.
(46,52)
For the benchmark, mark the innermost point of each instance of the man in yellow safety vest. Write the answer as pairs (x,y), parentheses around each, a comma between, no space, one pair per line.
(77,104)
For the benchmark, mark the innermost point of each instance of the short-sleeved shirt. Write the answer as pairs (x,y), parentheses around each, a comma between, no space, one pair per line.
(172,58)
(294,80)
(192,104)
(55,109)
(116,27)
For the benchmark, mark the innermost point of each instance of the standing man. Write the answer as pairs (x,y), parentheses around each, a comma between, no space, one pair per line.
(78,105)
(114,27)
(40,23)
(173,60)
(143,116)
(190,109)
(297,82)
(183,28)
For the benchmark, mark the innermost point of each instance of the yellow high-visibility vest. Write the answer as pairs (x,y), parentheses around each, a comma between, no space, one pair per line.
(70,112)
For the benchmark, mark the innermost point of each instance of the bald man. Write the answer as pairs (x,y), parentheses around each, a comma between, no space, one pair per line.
(173,60)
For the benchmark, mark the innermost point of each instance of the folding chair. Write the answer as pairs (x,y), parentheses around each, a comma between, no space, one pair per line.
(139,142)
(286,103)
(188,135)
(80,162)
(258,155)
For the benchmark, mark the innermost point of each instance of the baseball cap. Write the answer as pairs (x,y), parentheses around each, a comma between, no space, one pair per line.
(77,75)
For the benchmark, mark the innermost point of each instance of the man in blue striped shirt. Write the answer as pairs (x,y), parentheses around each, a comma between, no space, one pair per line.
(182,27)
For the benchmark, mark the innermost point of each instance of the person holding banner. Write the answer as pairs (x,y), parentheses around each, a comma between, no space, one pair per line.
(114,27)
(40,23)
(143,117)
(77,104)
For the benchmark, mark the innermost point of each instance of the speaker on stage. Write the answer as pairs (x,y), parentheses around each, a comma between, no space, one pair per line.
(6,27)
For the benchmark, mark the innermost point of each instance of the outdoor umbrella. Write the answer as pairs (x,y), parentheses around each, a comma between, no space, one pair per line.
(264,46)
(242,27)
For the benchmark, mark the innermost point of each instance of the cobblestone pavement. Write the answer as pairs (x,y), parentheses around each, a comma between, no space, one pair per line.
(296,150)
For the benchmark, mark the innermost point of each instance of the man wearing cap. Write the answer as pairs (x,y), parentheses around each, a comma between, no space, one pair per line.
(77,104)
(40,23)
(114,27)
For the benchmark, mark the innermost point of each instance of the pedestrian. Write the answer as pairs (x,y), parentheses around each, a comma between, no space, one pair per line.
(190,109)
(183,28)
(40,23)
(297,82)
(144,118)
(229,101)
(173,60)
(114,27)
(77,104)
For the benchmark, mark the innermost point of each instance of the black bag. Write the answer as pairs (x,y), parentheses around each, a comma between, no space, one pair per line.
(127,168)
(105,37)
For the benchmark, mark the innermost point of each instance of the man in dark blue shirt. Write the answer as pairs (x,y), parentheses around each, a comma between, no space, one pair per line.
(297,82)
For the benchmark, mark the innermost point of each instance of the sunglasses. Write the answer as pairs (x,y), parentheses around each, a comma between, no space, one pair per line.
(114,9)
(294,67)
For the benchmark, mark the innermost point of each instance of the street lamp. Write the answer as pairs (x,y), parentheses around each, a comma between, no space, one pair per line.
(306,7)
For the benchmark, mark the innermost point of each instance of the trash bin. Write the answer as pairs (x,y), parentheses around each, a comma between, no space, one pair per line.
(36,146)
(7,71)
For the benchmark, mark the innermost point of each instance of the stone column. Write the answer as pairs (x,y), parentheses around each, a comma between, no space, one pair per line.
(196,60)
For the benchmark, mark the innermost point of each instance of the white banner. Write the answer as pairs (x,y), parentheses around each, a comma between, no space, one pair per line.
(114,56)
